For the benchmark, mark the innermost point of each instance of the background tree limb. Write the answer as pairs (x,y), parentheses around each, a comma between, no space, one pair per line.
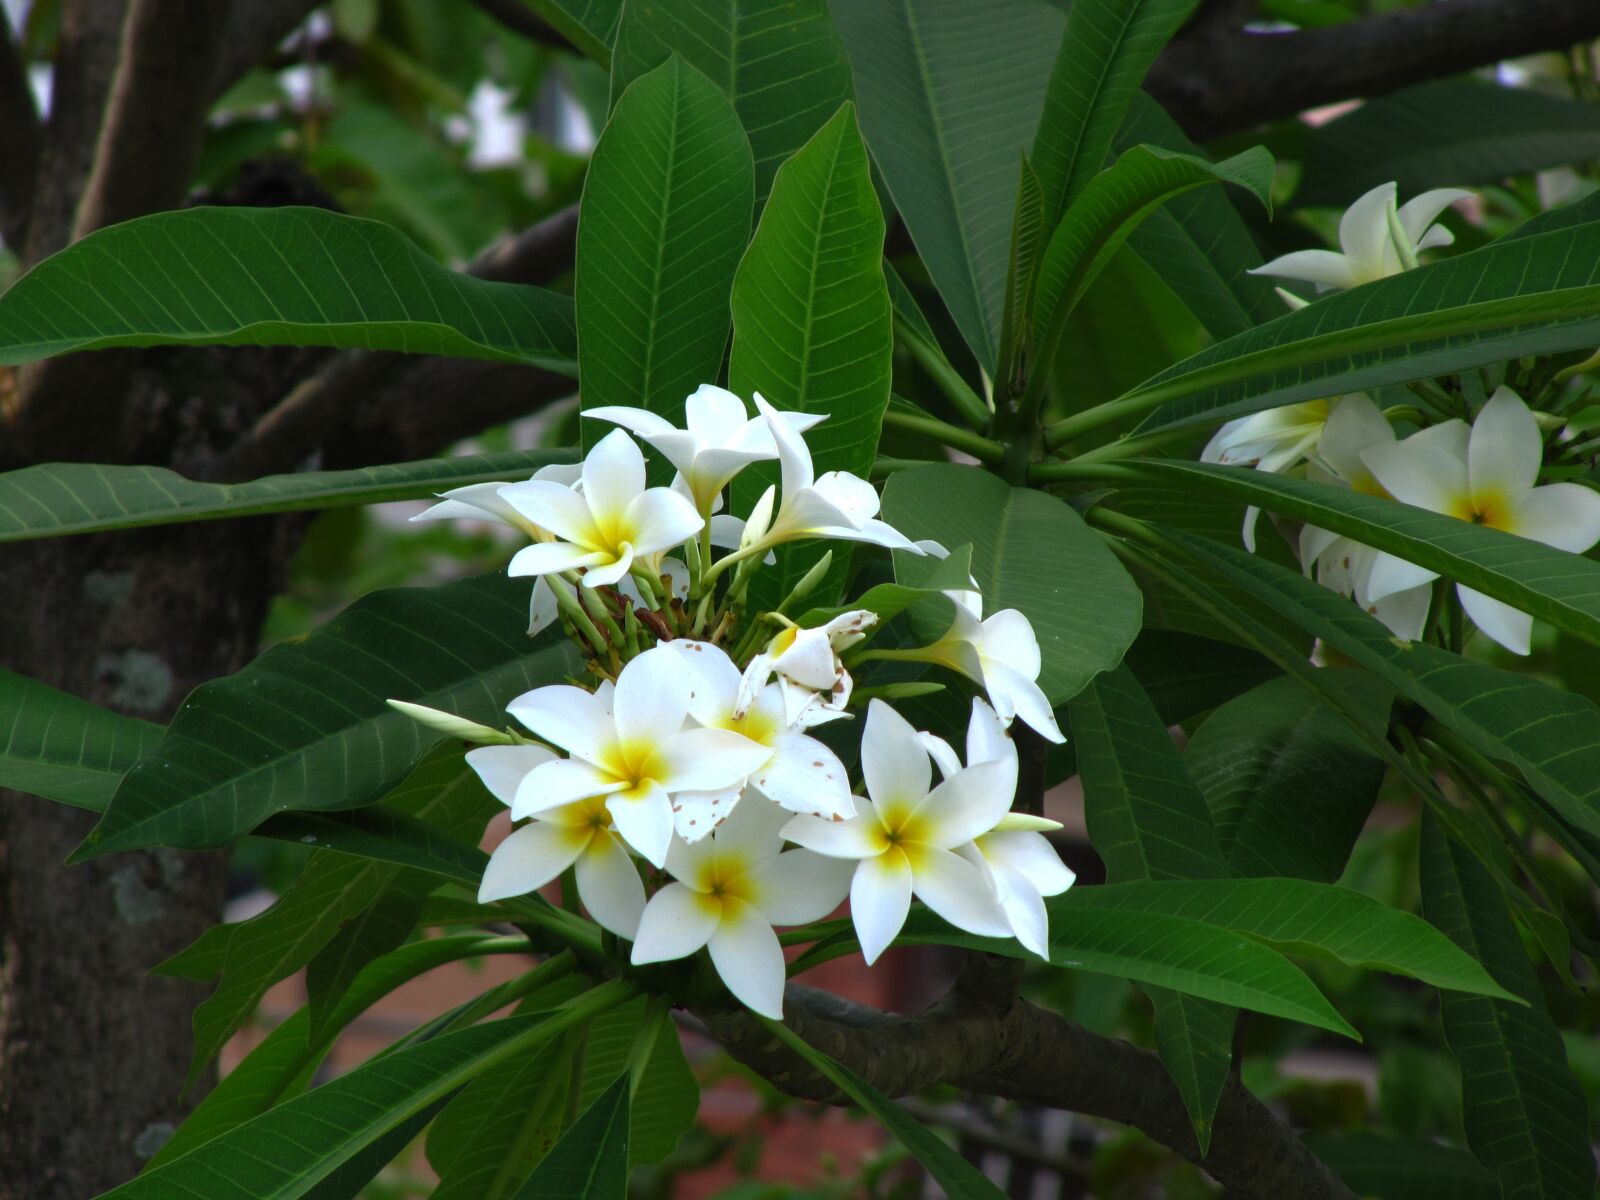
(19,138)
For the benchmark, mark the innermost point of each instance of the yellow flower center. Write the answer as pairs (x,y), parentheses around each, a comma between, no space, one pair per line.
(637,763)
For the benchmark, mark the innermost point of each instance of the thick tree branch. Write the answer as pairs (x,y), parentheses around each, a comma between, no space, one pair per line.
(1215,78)
(20,134)
(255,29)
(1024,1053)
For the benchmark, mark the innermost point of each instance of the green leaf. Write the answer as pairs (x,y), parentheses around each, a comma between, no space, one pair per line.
(591,1161)
(330,891)
(1196,242)
(273,277)
(306,726)
(1148,820)
(1395,1168)
(668,1097)
(1552,737)
(63,748)
(946,126)
(889,600)
(1030,551)
(1554,585)
(664,218)
(778,61)
(1105,52)
(1290,786)
(590,25)
(1028,233)
(1186,675)
(373,932)
(1445,133)
(1538,294)
(959,1178)
(288,1150)
(283,1064)
(812,329)
(1111,207)
(62,498)
(1525,1115)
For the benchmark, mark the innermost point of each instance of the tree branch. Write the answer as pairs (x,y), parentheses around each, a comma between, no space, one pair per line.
(520,19)
(255,30)
(1215,78)
(19,139)
(1024,1053)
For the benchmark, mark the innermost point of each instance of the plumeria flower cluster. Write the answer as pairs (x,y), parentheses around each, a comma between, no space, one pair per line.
(680,783)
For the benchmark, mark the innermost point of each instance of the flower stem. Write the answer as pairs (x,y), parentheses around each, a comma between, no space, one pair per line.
(962,398)
(985,450)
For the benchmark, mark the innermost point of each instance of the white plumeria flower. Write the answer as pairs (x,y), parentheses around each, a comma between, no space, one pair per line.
(1001,655)
(580,835)
(1387,587)
(720,440)
(730,890)
(1377,240)
(835,504)
(629,745)
(1020,863)
(604,525)
(812,682)
(483,502)
(1491,480)
(906,836)
(1275,440)
(802,775)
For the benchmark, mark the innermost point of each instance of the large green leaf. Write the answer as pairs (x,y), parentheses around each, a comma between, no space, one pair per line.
(664,217)
(812,329)
(63,748)
(591,1161)
(287,1151)
(1106,50)
(1445,133)
(1525,1114)
(1394,1168)
(590,25)
(61,498)
(1290,786)
(959,1178)
(1554,585)
(1196,242)
(283,1064)
(1112,206)
(779,61)
(1552,737)
(946,127)
(1537,294)
(1186,675)
(270,277)
(1148,820)
(306,725)
(1032,552)
(331,891)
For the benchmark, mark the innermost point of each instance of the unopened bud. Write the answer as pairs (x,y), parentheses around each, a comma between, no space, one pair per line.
(451,725)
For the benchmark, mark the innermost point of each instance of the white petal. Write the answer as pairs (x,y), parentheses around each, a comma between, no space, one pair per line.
(752,836)
(880,898)
(747,955)
(1405,613)
(609,568)
(530,858)
(1016,695)
(546,558)
(1030,855)
(727,531)
(1421,475)
(542,607)
(1354,424)
(1024,910)
(794,458)
(552,506)
(1448,437)
(643,818)
(715,415)
(967,804)
(566,716)
(1313,542)
(560,782)
(1364,234)
(652,697)
(943,754)
(476,502)
(676,922)
(1007,637)
(609,886)
(697,814)
(804,776)
(1504,624)
(799,887)
(502,767)
(1505,451)
(613,475)
(1323,267)
(704,760)
(660,519)
(1563,515)
(635,420)
(805,656)
(1419,212)
(711,677)
(893,762)
(859,837)
(958,892)
(1388,574)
